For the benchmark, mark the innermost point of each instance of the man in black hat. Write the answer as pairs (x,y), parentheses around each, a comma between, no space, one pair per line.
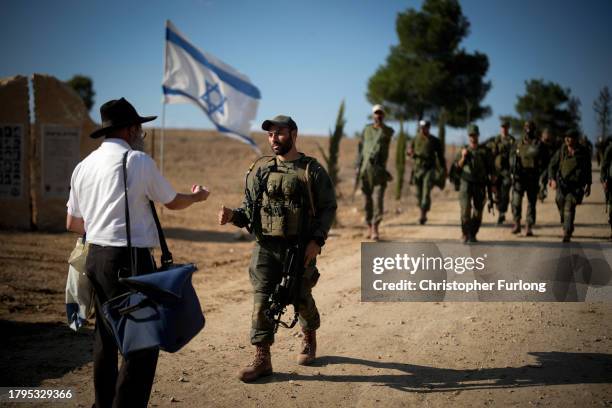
(96,206)
(289,200)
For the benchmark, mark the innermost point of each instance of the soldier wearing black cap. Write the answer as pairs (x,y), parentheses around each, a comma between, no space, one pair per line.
(570,173)
(289,199)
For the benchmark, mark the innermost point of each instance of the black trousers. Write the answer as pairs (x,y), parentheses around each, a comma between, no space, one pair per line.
(131,385)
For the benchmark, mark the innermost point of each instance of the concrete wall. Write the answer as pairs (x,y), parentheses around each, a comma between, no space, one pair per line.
(15,211)
(61,139)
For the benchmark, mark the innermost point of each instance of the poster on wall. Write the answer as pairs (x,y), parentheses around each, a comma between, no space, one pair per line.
(11,160)
(60,154)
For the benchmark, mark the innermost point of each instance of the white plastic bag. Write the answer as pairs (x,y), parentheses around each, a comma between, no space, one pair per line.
(79,291)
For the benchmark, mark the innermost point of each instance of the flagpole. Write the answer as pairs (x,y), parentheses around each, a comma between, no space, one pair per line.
(161,149)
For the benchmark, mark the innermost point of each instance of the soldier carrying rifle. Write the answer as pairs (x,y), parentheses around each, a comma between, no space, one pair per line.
(473,170)
(289,206)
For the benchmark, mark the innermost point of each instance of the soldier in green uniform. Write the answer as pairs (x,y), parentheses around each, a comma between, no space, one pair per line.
(569,173)
(527,164)
(289,199)
(474,167)
(372,156)
(549,147)
(501,147)
(428,155)
(606,181)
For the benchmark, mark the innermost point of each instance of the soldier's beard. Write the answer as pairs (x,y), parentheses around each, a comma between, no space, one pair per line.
(282,148)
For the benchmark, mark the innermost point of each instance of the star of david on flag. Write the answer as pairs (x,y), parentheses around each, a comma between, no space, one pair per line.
(226,96)
(213,98)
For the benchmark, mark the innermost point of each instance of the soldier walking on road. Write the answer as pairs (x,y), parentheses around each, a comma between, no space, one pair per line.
(290,200)
(428,154)
(527,163)
(501,147)
(549,147)
(570,174)
(606,181)
(473,167)
(372,156)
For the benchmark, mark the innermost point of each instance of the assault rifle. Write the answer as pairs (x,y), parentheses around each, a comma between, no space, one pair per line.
(287,290)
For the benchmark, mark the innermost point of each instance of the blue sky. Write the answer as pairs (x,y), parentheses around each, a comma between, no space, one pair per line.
(305,57)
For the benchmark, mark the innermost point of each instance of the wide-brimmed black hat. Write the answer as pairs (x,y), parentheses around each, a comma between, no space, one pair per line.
(117,114)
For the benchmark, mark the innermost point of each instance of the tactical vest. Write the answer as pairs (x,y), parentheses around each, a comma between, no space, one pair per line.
(285,199)
(475,169)
(528,155)
(570,167)
(502,152)
(424,151)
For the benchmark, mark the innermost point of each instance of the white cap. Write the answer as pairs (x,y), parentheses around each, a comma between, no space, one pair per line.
(377,108)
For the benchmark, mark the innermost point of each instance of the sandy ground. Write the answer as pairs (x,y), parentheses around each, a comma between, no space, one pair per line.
(387,354)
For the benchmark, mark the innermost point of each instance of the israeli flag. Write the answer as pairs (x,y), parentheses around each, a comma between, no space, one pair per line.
(228,97)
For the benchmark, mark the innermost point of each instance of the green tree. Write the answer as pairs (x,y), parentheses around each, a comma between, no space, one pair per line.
(331,158)
(83,86)
(603,109)
(549,105)
(428,72)
(400,160)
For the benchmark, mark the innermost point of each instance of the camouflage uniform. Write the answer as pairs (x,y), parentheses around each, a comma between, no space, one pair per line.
(606,177)
(527,163)
(428,160)
(501,148)
(275,216)
(474,176)
(373,153)
(549,148)
(572,174)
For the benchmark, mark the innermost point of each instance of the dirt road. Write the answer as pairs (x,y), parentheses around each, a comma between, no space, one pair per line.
(387,354)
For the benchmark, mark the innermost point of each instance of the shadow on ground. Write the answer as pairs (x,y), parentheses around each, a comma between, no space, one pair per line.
(34,352)
(551,368)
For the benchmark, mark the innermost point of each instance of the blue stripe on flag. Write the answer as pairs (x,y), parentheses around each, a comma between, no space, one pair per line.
(237,83)
(246,139)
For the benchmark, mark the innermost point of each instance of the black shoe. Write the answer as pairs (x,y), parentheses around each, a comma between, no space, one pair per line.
(501,219)
(472,239)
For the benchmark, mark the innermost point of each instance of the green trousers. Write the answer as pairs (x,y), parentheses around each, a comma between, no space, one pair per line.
(424,182)
(530,188)
(566,204)
(471,200)
(265,273)
(503,184)
(374,201)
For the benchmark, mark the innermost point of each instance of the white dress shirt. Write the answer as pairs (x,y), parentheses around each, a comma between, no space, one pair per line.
(97,195)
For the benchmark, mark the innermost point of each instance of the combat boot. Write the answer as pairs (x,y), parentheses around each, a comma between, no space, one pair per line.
(260,367)
(423,218)
(516,228)
(374,234)
(368,235)
(528,231)
(309,348)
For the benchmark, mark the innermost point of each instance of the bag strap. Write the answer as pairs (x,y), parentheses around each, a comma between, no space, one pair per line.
(166,257)
(127,213)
